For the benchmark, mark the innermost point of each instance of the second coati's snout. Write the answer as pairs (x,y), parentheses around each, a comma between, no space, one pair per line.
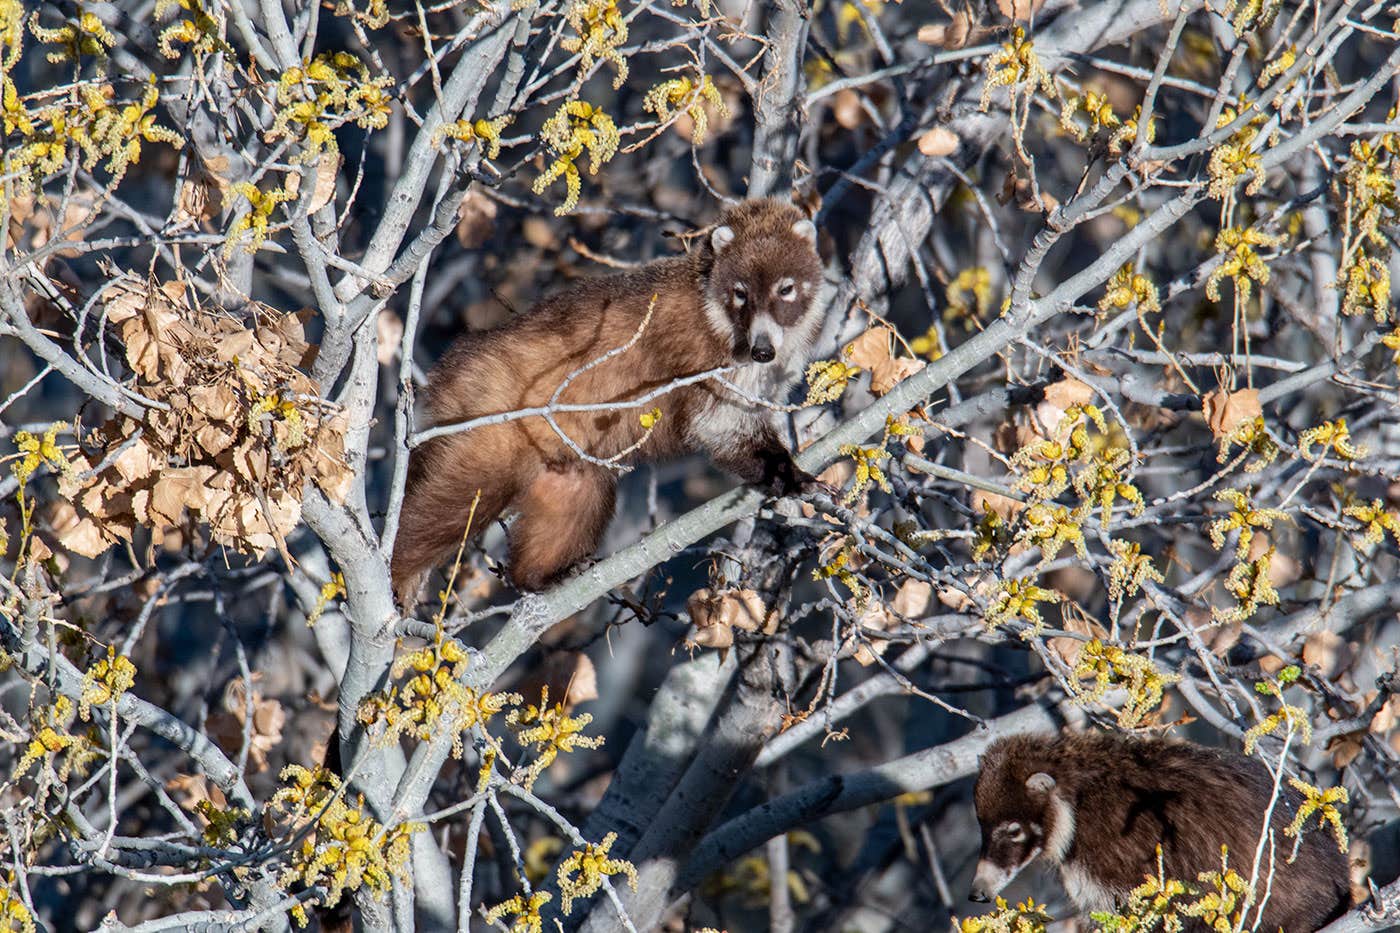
(1017,831)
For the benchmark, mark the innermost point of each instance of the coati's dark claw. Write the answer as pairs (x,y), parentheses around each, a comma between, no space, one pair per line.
(792,481)
(811,486)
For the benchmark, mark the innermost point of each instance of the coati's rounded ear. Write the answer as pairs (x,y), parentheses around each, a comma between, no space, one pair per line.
(721,237)
(1040,783)
(807,230)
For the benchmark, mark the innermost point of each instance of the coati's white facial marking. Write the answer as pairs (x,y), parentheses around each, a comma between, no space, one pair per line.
(1009,848)
(765,331)
(1061,816)
(1061,830)
(1087,894)
(744,315)
(717,317)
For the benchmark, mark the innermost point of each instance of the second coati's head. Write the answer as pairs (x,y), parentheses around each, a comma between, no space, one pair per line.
(1023,811)
(762,281)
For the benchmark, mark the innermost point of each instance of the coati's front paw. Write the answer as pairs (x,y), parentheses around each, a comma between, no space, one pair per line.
(795,482)
(810,485)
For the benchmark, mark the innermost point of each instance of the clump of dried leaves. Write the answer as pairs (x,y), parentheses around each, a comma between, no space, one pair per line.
(239,432)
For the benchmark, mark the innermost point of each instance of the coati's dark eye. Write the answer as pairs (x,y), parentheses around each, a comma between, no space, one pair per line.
(741,293)
(1015,832)
(787,291)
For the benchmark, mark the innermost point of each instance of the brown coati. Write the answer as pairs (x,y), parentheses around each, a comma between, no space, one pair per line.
(1097,805)
(745,297)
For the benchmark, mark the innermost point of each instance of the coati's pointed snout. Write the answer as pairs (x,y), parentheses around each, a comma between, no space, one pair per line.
(989,880)
(765,338)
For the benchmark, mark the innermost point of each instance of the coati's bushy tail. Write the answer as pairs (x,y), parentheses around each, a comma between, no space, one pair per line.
(444,478)
(564,509)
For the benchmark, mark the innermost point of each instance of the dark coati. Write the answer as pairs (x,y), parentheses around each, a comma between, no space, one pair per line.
(1096,806)
(746,296)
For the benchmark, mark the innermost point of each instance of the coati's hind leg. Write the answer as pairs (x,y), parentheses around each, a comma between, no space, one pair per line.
(563,513)
(444,477)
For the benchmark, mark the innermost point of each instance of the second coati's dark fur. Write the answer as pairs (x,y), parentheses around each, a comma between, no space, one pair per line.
(1097,805)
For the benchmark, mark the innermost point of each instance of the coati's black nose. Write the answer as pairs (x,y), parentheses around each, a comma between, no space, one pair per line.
(762,351)
(979,896)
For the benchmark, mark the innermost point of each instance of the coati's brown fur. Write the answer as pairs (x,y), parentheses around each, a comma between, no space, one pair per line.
(1097,805)
(746,295)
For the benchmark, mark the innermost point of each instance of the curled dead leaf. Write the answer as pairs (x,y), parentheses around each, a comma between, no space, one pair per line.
(1069,649)
(1004,506)
(85,537)
(1023,192)
(1329,652)
(227,726)
(1387,717)
(1225,411)
(939,141)
(1283,568)
(955,599)
(1068,392)
(1346,748)
(388,336)
(716,636)
(848,109)
(189,790)
(912,598)
(875,618)
(952,35)
(1019,10)
(476,219)
(733,608)
(569,675)
(873,352)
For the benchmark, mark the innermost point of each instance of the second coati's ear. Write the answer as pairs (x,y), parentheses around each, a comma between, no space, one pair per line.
(1040,783)
(807,230)
(721,237)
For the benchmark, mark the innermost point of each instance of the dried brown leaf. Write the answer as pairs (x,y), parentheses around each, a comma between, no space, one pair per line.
(1019,10)
(733,608)
(85,537)
(871,351)
(1069,648)
(388,336)
(848,109)
(939,141)
(1225,411)
(953,35)
(1346,748)
(912,598)
(476,219)
(1327,651)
